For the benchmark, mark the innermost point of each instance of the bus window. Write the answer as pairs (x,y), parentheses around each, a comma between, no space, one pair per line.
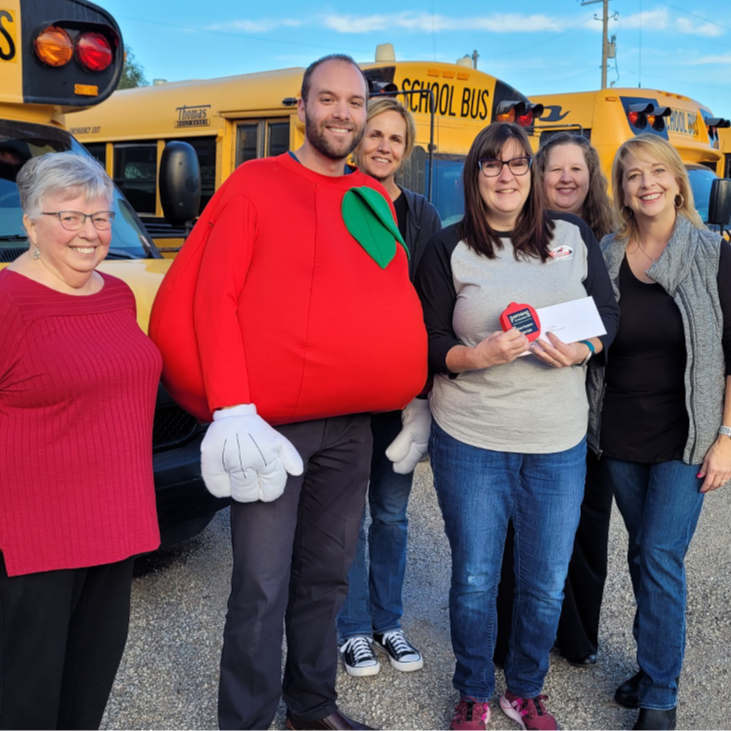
(135,172)
(277,138)
(205,149)
(265,138)
(448,192)
(99,151)
(247,138)
(26,140)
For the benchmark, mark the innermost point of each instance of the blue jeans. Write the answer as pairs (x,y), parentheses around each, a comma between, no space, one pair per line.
(660,504)
(479,490)
(374,601)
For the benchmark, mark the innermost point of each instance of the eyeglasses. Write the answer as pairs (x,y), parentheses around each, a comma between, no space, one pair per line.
(491,167)
(75,221)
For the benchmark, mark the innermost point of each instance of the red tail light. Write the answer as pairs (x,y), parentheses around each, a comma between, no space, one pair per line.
(525,120)
(93,51)
(633,117)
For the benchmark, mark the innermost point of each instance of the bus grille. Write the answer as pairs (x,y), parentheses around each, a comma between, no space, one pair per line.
(172,425)
(7,255)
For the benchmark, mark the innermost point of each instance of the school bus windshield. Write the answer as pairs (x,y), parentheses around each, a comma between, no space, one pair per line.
(21,141)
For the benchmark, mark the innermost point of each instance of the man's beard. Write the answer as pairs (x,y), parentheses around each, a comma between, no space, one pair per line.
(316,137)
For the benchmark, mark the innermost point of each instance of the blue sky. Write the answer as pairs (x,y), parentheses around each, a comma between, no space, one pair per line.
(536,46)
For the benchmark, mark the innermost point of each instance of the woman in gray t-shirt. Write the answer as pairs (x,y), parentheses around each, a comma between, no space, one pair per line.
(509,434)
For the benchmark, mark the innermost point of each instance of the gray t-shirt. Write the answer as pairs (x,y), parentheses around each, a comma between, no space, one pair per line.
(525,406)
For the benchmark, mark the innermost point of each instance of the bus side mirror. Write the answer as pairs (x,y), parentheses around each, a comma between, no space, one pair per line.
(180,183)
(719,203)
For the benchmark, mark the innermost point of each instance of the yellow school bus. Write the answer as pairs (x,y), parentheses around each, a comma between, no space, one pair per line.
(231,120)
(57,57)
(723,139)
(608,117)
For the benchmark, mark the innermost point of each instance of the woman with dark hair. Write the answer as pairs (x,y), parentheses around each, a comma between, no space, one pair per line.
(509,435)
(568,169)
(661,405)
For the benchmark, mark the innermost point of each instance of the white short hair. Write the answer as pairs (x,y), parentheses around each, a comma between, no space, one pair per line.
(64,174)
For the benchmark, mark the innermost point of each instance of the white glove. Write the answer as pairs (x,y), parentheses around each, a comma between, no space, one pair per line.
(413,440)
(244,458)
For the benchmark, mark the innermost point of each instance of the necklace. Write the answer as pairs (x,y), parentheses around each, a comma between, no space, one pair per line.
(642,249)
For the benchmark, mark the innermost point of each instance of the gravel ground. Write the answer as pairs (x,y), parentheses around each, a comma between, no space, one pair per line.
(168,677)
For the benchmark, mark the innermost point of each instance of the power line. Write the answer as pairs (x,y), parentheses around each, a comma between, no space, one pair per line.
(695,15)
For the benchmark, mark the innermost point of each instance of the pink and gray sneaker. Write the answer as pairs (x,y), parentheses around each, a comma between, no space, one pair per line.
(470,715)
(530,713)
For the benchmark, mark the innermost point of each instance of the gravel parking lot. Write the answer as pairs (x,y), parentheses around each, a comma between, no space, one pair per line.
(168,678)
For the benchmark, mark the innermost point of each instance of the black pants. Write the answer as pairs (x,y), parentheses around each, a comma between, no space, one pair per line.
(62,634)
(291,560)
(578,629)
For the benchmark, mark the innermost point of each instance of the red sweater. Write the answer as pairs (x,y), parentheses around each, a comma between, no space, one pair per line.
(271,301)
(78,380)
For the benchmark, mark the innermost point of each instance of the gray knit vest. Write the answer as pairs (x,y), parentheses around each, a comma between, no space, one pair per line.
(687,270)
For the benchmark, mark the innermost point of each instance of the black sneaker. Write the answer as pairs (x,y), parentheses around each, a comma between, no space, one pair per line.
(358,656)
(401,653)
(649,718)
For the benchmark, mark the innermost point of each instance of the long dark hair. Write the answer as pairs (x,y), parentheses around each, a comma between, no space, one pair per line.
(533,230)
(596,210)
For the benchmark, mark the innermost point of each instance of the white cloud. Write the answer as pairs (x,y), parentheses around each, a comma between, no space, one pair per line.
(426,23)
(710,30)
(712,60)
(256,26)
(647,20)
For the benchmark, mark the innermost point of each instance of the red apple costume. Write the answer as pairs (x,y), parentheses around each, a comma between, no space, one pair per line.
(271,301)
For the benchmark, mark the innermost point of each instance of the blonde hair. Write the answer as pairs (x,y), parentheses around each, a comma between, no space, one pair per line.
(650,146)
(380,104)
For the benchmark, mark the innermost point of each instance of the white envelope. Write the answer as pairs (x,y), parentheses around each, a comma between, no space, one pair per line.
(571,321)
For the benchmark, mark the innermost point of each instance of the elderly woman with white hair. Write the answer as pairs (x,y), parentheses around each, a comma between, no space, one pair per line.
(78,380)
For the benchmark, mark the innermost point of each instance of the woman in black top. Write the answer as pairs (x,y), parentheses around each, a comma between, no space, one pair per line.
(664,400)
(372,611)
(569,171)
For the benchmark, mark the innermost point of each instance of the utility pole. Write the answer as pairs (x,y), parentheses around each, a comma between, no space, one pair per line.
(605,36)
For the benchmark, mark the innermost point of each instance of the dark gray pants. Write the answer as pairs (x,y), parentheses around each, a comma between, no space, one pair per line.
(291,560)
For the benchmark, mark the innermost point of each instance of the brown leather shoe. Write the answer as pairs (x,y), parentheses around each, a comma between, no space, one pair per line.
(336,720)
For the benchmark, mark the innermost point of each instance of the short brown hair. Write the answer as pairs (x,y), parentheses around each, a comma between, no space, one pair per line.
(644,146)
(534,229)
(380,104)
(342,57)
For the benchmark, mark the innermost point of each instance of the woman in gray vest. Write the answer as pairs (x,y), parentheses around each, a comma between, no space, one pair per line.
(661,410)
(508,440)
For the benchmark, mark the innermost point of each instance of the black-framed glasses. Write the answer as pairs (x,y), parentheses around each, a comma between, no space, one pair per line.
(492,167)
(75,220)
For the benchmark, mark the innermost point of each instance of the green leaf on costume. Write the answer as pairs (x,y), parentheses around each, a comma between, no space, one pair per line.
(369,220)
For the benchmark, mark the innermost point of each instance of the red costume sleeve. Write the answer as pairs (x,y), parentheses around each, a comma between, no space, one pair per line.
(224,266)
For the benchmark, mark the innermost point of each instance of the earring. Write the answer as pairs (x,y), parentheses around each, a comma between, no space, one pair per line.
(36,253)
(682,200)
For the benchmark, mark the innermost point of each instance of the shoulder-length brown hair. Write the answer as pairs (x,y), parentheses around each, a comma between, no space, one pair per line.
(650,146)
(533,229)
(596,210)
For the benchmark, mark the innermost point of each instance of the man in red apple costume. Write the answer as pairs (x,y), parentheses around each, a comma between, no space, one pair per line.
(289,316)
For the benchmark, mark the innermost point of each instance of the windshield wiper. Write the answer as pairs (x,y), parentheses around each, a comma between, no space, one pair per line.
(13,237)
(120,254)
